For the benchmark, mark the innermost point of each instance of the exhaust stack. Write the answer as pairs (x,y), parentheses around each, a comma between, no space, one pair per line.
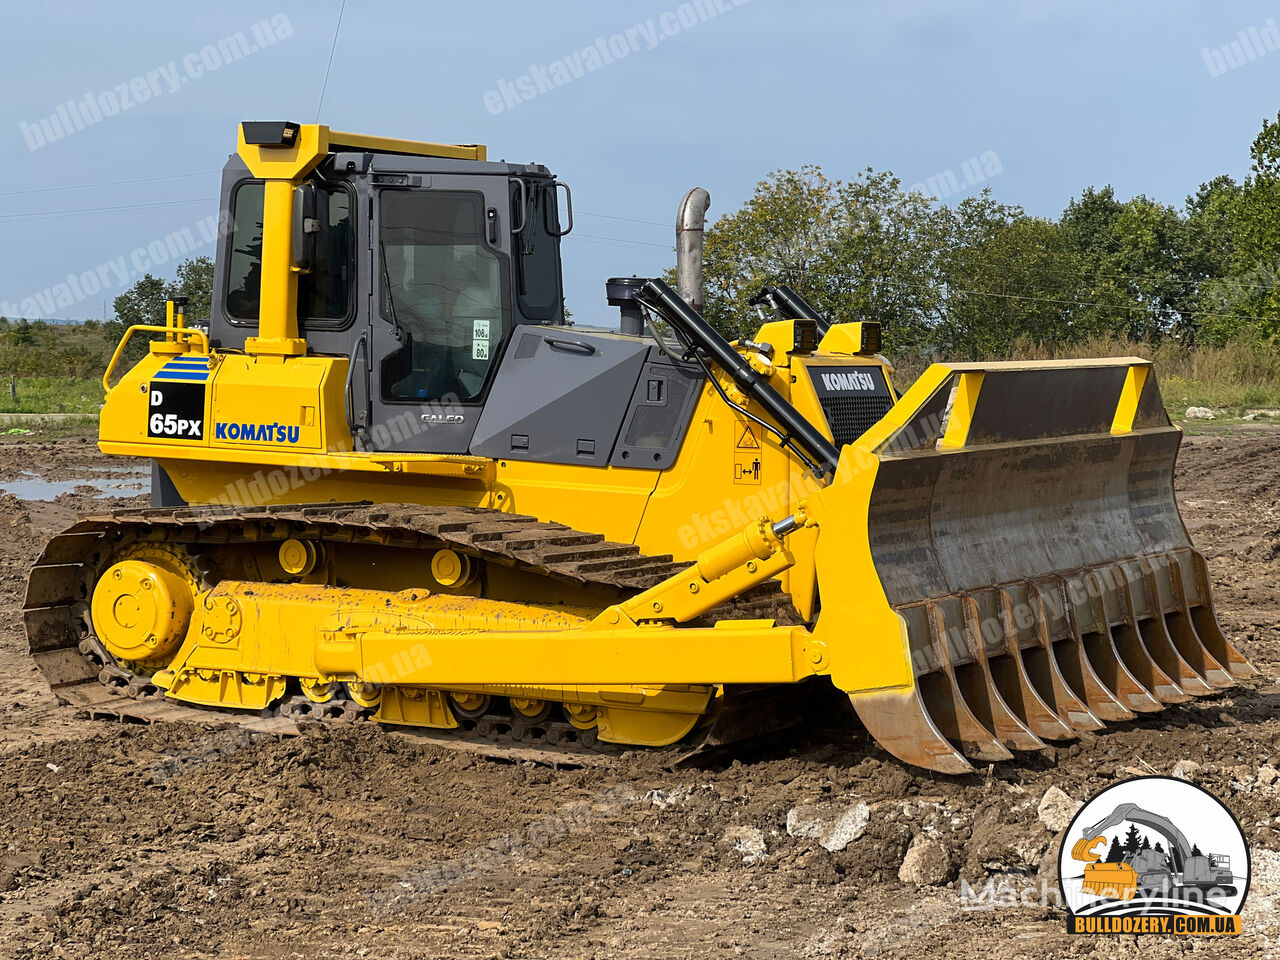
(689,241)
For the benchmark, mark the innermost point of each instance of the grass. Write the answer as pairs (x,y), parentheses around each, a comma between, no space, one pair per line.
(51,395)
(24,430)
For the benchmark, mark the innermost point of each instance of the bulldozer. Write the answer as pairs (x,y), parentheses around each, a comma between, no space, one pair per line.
(390,480)
(1184,873)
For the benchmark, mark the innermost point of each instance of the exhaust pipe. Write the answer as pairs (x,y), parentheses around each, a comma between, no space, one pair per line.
(689,240)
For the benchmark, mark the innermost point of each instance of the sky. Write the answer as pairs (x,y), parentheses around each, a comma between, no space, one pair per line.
(654,97)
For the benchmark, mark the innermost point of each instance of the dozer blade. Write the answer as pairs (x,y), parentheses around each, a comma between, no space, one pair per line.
(1019,520)
(1113,881)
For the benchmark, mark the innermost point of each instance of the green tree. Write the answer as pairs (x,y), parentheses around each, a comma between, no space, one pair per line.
(144,302)
(1133,281)
(141,303)
(195,282)
(1249,295)
(1007,276)
(22,333)
(778,236)
(1209,252)
(857,249)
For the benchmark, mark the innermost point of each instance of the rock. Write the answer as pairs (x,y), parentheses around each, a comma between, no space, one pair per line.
(1199,413)
(1056,810)
(833,825)
(748,841)
(1267,774)
(1030,850)
(928,863)
(663,799)
(1186,770)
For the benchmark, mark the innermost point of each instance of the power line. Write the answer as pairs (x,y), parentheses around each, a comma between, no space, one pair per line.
(609,216)
(325,86)
(622,240)
(612,243)
(107,183)
(55,214)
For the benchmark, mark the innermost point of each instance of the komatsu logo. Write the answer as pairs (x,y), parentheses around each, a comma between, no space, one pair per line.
(851,380)
(258,432)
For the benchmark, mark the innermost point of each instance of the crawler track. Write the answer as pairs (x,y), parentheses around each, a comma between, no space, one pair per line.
(83,674)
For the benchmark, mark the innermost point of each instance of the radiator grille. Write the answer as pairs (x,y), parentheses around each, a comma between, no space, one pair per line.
(851,417)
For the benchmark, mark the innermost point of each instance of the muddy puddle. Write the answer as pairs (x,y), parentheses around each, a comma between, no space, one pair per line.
(109,481)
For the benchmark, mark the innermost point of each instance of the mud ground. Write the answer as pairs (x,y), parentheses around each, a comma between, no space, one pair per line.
(349,841)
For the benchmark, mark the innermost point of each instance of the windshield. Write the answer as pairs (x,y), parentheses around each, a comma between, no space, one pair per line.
(445,288)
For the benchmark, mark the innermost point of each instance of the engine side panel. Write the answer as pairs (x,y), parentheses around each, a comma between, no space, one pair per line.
(586,398)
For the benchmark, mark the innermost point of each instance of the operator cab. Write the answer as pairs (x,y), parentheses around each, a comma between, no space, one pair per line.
(418,269)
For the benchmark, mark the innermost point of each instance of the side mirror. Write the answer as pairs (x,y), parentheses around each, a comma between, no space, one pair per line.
(305,226)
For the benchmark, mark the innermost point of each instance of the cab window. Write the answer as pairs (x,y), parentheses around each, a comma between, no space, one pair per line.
(537,249)
(446,289)
(325,294)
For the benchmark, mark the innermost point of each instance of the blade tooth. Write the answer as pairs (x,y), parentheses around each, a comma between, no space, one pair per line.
(1045,674)
(1101,650)
(980,687)
(1188,642)
(1210,633)
(1070,656)
(1184,633)
(1155,634)
(901,724)
(1209,630)
(1128,640)
(945,701)
(1009,669)
(899,720)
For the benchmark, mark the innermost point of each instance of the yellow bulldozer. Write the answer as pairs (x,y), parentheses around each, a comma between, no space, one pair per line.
(391,481)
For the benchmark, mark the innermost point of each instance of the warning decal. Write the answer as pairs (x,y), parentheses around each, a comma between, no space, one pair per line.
(746,452)
(746,469)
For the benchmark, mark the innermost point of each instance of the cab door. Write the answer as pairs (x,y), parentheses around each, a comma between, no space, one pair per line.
(440,310)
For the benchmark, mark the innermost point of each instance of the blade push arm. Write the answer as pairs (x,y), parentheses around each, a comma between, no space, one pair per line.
(695,331)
